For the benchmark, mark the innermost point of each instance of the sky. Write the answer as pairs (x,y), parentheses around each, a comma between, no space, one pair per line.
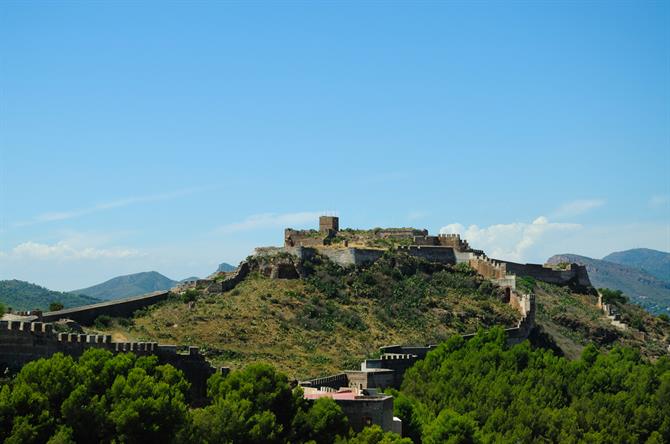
(173,136)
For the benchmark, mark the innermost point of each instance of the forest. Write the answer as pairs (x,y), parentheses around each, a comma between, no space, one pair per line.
(475,391)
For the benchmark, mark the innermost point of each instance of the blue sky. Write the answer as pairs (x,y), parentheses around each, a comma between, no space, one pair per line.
(174,136)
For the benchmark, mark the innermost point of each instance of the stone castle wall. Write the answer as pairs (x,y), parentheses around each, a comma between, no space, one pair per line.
(576,277)
(124,308)
(22,342)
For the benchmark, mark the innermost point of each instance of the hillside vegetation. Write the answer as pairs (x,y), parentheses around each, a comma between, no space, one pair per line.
(129,285)
(642,288)
(106,398)
(329,321)
(21,295)
(481,391)
(573,321)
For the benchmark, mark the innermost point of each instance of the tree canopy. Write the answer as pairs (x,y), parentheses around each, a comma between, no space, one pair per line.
(482,391)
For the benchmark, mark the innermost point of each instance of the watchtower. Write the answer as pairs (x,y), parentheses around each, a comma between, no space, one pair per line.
(329,224)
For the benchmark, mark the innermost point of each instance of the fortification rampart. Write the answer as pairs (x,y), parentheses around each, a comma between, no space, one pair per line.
(87,314)
(22,342)
(576,276)
(489,268)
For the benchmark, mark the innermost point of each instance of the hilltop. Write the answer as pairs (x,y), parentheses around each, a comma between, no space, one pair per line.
(642,287)
(329,320)
(336,316)
(129,285)
(21,295)
(654,262)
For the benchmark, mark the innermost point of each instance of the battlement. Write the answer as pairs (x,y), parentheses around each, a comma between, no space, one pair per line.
(22,342)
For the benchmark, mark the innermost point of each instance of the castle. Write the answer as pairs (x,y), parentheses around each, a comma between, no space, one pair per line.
(356,391)
(357,247)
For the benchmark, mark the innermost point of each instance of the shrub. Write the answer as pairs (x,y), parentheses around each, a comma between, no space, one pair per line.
(55,306)
(102,321)
(613,296)
(190,295)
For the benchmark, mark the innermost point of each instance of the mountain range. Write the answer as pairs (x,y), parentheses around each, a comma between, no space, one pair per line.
(21,295)
(129,285)
(641,274)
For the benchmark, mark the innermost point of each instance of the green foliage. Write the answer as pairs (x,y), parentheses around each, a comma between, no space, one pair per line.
(257,405)
(2,309)
(99,398)
(322,423)
(481,390)
(375,435)
(664,317)
(56,306)
(102,321)
(613,296)
(319,314)
(404,285)
(190,295)
(526,284)
(20,295)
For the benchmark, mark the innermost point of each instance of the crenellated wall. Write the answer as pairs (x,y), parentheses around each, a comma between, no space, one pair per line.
(576,276)
(22,342)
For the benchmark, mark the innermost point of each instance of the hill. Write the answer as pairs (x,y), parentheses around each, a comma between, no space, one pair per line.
(129,285)
(21,295)
(642,288)
(225,268)
(335,317)
(654,262)
(328,321)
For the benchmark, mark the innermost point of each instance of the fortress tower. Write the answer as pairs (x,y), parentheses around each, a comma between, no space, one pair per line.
(329,224)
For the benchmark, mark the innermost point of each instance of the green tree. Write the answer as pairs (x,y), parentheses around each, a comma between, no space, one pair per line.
(451,428)
(55,306)
(322,423)
(375,435)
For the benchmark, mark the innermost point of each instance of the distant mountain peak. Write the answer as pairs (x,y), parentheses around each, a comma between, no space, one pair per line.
(129,285)
(225,267)
(640,285)
(654,262)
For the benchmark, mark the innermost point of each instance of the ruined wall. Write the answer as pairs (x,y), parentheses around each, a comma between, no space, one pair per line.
(22,342)
(351,256)
(333,381)
(489,268)
(304,238)
(577,277)
(444,255)
(87,314)
(359,379)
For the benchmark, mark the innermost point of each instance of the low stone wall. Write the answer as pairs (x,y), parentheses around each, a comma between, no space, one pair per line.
(22,342)
(332,381)
(87,314)
(576,277)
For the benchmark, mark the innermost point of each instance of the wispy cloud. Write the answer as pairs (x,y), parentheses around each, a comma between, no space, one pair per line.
(270,220)
(508,241)
(417,215)
(577,207)
(659,201)
(71,214)
(63,250)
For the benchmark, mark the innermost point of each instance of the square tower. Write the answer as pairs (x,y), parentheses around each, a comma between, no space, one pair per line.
(329,224)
